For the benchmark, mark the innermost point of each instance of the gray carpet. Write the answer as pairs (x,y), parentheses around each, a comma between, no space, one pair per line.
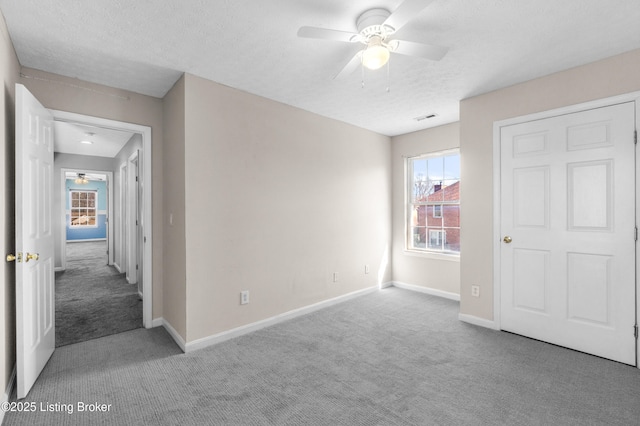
(92,298)
(388,358)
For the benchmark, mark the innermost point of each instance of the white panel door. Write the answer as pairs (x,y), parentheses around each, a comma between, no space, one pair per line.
(568,227)
(35,297)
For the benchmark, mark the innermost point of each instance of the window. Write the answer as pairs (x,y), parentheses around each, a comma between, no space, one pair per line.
(434,203)
(83,208)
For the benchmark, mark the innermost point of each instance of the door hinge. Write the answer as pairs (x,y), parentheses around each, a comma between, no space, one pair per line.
(636,233)
(136,178)
(136,267)
(635,331)
(635,137)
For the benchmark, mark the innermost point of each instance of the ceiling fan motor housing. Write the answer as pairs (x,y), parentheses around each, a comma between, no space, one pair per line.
(370,24)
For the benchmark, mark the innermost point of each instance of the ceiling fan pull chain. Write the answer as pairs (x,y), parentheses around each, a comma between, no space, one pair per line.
(362,68)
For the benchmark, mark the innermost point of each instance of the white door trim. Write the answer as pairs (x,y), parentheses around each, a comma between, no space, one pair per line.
(120,261)
(131,219)
(497,238)
(145,131)
(64,207)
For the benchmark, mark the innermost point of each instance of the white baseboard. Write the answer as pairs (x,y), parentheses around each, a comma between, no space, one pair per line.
(245,329)
(426,290)
(115,265)
(8,391)
(58,269)
(386,285)
(88,240)
(172,331)
(478,321)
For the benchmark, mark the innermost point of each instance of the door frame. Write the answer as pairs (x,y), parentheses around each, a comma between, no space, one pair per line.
(497,201)
(63,211)
(145,132)
(120,260)
(132,210)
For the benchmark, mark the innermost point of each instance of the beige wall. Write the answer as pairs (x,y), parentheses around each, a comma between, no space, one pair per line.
(277,200)
(613,76)
(174,267)
(420,270)
(72,95)
(10,71)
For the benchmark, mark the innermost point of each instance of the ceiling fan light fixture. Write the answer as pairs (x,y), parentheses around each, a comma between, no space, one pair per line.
(376,55)
(82,179)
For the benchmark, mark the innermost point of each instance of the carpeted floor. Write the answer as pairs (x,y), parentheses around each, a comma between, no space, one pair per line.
(391,357)
(92,298)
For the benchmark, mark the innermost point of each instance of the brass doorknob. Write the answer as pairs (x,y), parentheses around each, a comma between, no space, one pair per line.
(507,239)
(32,256)
(11,257)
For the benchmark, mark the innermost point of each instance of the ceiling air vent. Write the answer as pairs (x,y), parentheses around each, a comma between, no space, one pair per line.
(425,117)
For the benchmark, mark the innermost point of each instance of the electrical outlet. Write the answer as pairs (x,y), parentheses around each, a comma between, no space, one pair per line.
(335,277)
(366,269)
(244,297)
(475,290)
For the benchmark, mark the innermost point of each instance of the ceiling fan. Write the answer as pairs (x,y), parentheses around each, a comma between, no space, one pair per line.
(375,31)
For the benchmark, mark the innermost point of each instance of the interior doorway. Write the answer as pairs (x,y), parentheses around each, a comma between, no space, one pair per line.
(113,246)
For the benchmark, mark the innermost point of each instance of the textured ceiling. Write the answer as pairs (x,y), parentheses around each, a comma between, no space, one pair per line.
(105,142)
(145,45)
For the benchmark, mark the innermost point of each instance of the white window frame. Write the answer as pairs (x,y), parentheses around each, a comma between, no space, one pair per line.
(410,207)
(71,208)
(438,209)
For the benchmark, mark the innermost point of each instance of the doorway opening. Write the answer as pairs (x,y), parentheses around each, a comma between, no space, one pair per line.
(97,226)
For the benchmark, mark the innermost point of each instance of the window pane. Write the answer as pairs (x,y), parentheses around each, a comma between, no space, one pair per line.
(418,238)
(420,182)
(451,216)
(420,216)
(452,242)
(436,178)
(75,203)
(435,239)
(83,195)
(434,215)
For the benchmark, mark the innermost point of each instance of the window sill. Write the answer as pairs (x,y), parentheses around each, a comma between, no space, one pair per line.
(433,255)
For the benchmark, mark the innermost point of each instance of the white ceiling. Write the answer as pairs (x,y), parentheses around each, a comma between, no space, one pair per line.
(106,142)
(145,45)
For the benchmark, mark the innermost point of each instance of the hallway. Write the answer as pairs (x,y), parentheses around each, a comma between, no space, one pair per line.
(92,298)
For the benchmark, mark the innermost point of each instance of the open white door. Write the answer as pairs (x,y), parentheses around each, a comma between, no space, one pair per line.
(35,297)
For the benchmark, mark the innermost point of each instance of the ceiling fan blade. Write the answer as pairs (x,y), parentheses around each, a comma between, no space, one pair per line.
(351,66)
(410,48)
(405,12)
(327,34)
